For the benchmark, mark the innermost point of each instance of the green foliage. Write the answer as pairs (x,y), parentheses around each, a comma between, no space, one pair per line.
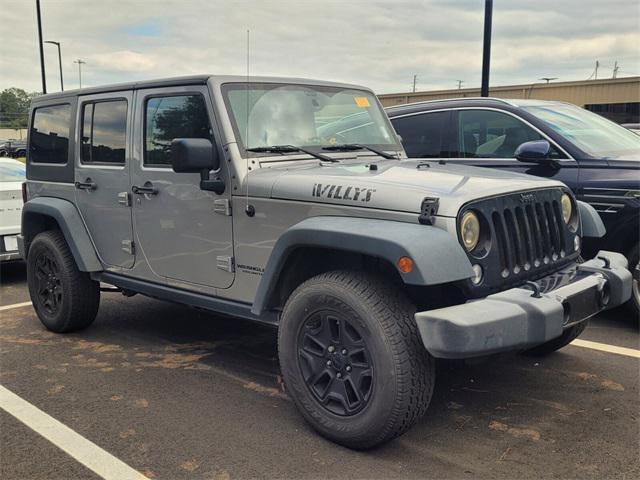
(14,107)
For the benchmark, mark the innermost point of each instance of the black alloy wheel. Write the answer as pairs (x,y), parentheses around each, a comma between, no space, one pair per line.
(335,363)
(49,285)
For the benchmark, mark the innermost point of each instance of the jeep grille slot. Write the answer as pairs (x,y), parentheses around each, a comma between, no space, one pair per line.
(529,236)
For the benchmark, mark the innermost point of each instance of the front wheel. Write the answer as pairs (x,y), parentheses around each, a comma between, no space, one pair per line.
(353,360)
(64,298)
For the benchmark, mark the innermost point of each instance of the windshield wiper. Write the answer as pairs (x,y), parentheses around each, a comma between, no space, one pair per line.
(290,149)
(346,147)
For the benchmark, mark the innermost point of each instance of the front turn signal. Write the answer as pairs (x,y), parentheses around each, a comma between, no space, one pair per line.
(405,264)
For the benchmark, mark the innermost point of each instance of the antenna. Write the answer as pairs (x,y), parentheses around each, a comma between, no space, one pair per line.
(248,209)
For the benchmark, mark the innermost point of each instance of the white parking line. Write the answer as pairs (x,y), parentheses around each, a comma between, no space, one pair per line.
(15,305)
(84,451)
(603,347)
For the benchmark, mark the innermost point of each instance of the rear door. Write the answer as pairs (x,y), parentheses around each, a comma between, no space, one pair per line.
(425,135)
(102,176)
(184,232)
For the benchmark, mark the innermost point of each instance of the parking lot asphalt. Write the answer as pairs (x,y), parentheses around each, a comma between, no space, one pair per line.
(177,393)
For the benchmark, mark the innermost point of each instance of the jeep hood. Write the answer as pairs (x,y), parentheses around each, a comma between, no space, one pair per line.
(391,184)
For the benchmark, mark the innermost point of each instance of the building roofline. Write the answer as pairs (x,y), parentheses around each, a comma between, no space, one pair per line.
(538,85)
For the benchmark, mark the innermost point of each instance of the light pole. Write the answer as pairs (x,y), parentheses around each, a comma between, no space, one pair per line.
(80,63)
(57,44)
(44,78)
(486,50)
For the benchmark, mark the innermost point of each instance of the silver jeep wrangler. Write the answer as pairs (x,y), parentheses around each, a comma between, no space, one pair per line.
(291,202)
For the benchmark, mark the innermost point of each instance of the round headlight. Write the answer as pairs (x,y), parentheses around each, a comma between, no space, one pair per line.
(470,230)
(567,208)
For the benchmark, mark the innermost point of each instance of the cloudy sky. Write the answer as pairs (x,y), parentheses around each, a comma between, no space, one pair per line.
(381,44)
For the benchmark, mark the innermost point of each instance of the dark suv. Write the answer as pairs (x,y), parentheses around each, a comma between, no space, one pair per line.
(598,159)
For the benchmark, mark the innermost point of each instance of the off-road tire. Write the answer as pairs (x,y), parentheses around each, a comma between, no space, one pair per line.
(568,336)
(404,372)
(79,297)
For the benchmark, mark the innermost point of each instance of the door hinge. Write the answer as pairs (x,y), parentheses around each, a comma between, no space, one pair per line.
(225,263)
(222,206)
(124,199)
(128,246)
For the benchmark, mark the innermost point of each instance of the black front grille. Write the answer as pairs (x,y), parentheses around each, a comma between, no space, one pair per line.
(528,238)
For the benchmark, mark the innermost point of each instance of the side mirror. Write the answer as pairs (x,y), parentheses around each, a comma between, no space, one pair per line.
(536,151)
(193,155)
(197,155)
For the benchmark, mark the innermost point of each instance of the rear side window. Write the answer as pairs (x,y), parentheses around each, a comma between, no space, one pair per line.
(166,118)
(49,137)
(104,131)
(422,135)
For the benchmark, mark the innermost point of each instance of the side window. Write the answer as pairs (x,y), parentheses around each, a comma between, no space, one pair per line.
(49,136)
(490,134)
(423,135)
(166,118)
(104,131)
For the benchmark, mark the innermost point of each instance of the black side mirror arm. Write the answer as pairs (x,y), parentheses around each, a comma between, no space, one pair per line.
(206,183)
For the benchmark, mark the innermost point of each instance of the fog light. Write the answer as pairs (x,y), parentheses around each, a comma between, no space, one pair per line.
(477,274)
(576,243)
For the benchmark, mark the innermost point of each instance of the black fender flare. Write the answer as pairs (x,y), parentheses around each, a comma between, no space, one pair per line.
(68,219)
(438,257)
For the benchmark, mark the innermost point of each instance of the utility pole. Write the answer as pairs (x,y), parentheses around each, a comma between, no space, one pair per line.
(615,70)
(486,50)
(460,82)
(597,66)
(80,63)
(415,77)
(44,78)
(57,44)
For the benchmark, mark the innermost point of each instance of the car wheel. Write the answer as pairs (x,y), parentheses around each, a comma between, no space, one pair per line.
(568,336)
(64,298)
(353,360)
(3,153)
(634,265)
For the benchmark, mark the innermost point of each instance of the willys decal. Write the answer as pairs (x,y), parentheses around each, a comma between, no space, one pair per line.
(343,192)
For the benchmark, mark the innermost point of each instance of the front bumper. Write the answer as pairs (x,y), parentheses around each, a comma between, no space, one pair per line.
(521,318)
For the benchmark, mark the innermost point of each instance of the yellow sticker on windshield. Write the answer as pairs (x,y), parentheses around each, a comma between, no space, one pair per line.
(362,102)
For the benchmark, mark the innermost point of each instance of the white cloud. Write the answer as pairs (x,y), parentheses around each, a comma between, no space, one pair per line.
(381,44)
(123,61)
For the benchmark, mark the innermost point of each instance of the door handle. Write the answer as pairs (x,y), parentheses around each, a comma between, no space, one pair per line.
(146,189)
(88,184)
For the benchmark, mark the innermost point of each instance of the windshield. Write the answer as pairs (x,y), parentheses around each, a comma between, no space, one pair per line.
(10,172)
(591,133)
(308,116)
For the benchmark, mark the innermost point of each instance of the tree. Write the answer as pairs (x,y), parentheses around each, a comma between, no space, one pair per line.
(14,107)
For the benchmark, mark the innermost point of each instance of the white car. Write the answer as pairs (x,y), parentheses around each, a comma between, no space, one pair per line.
(12,174)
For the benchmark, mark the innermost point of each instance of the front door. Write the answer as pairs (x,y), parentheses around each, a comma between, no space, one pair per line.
(102,175)
(183,232)
(489,138)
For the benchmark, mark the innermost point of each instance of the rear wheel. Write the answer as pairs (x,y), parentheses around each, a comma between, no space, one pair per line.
(568,336)
(353,360)
(64,298)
